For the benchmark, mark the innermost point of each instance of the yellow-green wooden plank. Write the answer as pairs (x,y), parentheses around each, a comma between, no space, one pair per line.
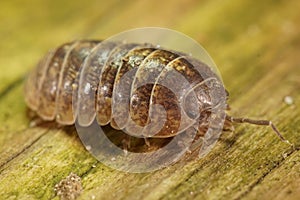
(256,46)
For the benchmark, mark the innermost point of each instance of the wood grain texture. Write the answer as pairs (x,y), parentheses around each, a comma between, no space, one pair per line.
(256,46)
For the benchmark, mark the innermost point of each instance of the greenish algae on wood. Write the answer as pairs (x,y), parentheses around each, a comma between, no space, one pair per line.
(255,45)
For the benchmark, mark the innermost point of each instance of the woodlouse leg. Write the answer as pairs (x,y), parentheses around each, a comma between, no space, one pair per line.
(258,122)
(35,122)
(198,138)
(147,142)
(126,144)
(228,126)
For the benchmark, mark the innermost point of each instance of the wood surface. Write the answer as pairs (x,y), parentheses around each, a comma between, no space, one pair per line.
(256,46)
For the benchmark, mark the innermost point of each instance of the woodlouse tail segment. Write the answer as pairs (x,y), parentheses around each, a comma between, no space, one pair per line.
(258,122)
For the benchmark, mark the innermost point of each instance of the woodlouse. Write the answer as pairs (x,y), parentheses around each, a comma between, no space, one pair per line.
(50,88)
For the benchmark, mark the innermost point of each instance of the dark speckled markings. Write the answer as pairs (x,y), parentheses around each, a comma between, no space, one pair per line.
(142,89)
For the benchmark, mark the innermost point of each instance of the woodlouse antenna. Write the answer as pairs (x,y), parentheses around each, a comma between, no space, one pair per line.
(258,122)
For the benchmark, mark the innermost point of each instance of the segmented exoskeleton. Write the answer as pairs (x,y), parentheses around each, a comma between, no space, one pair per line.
(122,83)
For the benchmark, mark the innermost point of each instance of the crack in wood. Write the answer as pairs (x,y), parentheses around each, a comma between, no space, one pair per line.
(279,164)
(229,143)
(2,166)
(11,86)
(259,180)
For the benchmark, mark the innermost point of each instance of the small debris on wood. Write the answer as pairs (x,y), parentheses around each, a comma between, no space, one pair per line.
(284,155)
(69,188)
(288,100)
(88,147)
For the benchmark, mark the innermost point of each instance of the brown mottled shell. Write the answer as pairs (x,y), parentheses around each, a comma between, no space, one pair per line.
(121,83)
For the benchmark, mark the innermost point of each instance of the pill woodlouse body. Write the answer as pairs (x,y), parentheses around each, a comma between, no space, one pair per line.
(122,83)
